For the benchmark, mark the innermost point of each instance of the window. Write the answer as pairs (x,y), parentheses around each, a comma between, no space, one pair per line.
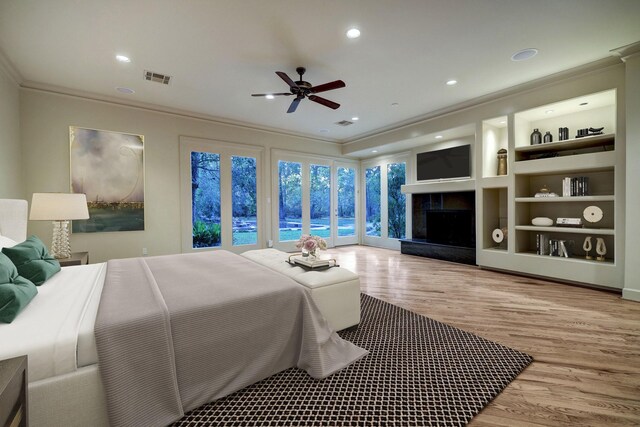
(320,200)
(346,202)
(244,200)
(372,202)
(289,200)
(205,199)
(396,201)
(220,192)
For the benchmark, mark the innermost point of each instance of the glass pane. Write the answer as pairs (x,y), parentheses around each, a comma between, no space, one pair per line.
(372,205)
(320,202)
(396,200)
(205,199)
(244,199)
(346,202)
(290,200)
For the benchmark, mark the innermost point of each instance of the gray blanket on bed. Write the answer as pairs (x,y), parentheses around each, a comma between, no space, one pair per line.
(174,332)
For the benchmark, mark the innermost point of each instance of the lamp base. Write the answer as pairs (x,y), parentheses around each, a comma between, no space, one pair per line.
(60,246)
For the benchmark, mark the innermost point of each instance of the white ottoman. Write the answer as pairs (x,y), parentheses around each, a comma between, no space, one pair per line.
(336,291)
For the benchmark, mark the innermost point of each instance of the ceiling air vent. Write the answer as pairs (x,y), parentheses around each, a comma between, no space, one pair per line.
(344,123)
(157,77)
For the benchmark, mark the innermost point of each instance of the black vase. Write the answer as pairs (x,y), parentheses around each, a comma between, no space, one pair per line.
(548,137)
(536,137)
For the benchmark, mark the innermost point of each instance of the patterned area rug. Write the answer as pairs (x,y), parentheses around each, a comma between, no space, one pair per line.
(419,372)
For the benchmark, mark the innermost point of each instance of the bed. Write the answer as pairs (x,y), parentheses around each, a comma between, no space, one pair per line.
(209,335)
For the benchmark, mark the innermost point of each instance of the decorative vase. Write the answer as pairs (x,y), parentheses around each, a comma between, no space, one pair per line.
(601,248)
(587,247)
(536,137)
(548,137)
(502,162)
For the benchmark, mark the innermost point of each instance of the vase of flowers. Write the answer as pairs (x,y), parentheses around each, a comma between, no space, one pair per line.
(309,245)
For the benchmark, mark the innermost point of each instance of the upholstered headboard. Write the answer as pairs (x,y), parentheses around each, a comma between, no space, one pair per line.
(13,219)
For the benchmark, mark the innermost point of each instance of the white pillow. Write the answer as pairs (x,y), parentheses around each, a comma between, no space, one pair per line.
(6,242)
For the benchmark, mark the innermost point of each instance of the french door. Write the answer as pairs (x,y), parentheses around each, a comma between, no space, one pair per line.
(346,204)
(385,206)
(313,195)
(220,194)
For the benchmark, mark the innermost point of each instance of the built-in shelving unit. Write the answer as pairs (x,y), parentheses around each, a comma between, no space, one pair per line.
(509,202)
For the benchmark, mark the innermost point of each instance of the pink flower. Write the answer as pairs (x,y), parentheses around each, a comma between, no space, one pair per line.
(310,245)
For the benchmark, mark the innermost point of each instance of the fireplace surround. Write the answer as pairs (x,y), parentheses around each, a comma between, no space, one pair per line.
(444,227)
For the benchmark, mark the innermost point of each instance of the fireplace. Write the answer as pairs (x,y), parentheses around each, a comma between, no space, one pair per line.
(444,227)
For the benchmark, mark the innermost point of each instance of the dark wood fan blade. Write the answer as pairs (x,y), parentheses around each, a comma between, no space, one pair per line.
(328,86)
(286,79)
(294,105)
(274,94)
(324,102)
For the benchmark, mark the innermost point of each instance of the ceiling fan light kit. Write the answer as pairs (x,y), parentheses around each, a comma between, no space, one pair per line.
(301,90)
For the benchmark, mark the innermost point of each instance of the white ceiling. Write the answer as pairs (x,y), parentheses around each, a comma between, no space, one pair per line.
(219,52)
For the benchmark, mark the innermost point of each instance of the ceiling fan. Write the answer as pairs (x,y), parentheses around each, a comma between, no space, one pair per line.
(302,89)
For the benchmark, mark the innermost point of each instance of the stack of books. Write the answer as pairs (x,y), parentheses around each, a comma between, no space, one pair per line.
(312,263)
(577,186)
(553,247)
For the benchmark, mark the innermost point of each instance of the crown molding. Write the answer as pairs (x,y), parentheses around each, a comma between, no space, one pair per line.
(529,86)
(626,52)
(8,68)
(161,109)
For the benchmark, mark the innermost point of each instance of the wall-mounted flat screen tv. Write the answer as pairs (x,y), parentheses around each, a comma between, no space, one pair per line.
(448,163)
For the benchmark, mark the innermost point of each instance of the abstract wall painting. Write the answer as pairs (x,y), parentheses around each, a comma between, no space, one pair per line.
(109,168)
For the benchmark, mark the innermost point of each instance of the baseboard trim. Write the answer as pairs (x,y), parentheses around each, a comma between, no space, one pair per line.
(631,294)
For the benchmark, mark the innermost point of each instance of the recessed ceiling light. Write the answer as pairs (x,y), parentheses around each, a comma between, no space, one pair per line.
(438,136)
(452,82)
(269,96)
(126,90)
(395,104)
(353,33)
(583,103)
(123,58)
(524,54)
(548,112)
(355,119)
(374,151)
(503,122)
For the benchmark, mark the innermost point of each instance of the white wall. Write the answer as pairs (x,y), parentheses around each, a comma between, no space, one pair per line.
(45,119)
(632,249)
(11,186)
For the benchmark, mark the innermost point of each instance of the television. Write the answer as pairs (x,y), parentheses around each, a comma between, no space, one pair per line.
(448,163)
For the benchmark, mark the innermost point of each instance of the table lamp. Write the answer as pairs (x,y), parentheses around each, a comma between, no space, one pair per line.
(59,208)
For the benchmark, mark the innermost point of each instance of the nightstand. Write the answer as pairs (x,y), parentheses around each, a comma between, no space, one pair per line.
(76,258)
(13,392)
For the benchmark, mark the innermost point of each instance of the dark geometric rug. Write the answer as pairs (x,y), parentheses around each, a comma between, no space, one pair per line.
(419,372)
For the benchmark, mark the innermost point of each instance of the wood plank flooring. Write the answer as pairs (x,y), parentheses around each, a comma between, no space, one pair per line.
(585,342)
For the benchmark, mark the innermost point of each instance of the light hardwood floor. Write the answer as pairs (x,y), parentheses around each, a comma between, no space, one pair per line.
(585,342)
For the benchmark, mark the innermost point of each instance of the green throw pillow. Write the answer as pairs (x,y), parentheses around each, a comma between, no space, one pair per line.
(32,260)
(15,291)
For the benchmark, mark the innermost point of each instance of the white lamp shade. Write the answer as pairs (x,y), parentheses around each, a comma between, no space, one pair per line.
(58,206)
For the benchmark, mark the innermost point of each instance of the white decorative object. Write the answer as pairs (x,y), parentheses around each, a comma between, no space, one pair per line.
(59,208)
(542,221)
(499,234)
(601,249)
(587,247)
(592,214)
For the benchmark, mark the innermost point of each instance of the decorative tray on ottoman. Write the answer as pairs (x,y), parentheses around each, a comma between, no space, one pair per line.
(311,264)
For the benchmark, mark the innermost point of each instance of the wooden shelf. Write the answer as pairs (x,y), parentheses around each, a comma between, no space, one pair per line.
(444,186)
(569,144)
(578,260)
(570,230)
(593,162)
(608,198)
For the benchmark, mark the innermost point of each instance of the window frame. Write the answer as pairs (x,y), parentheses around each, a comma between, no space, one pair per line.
(226,150)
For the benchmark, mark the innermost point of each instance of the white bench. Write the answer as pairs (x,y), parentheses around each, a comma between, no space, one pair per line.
(336,291)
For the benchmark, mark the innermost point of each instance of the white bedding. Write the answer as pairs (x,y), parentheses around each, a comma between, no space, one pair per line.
(56,329)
